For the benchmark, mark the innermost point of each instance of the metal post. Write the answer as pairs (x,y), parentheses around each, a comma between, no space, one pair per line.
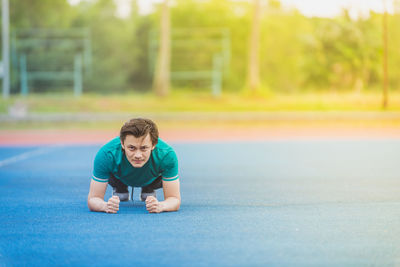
(153,46)
(226,50)
(217,73)
(6,49)
(14,56)
(78,75)
(23,75)
(88,52)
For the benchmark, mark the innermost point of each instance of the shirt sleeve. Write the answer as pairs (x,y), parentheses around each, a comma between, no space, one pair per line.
(170,167)
(102,167)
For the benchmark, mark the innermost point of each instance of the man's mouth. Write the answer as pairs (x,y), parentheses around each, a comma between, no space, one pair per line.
(137,161)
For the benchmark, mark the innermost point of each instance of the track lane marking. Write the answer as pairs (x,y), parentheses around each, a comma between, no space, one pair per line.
(27,155)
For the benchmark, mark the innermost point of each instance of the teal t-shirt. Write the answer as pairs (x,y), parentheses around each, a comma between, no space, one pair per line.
(111,160)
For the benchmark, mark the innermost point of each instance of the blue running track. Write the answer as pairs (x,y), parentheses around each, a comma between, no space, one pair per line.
(281,203)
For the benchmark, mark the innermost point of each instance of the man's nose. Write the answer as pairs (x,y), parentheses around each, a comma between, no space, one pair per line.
(138,155)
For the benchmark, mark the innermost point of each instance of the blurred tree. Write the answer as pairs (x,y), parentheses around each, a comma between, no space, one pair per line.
(394,46)
(253,71)
(285,36)
(385,56)
(295,52)
(342,53)
(162,70)
(115,46)
(227,14)
(36,14)
(40,14)
(367,54)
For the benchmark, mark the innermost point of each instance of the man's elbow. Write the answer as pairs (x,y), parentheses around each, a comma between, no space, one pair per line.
(172,203)
(91,202)
(178,204)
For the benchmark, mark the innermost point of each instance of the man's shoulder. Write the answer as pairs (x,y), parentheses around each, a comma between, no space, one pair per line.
(164,150)
(163,147)
(112,144)
(106,159)
(168,160)
(112,147)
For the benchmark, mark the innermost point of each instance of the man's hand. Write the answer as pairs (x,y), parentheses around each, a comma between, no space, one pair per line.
(153,205)
(112,206)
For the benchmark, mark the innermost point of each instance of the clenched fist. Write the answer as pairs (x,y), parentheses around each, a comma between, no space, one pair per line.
(112,206)
(153,205)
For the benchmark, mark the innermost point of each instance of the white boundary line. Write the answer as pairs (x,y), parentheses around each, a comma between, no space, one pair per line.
(27,155)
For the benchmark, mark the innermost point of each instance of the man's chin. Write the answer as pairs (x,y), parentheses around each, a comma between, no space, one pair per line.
(137,165)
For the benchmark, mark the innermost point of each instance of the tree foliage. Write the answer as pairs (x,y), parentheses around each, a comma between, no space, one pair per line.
(296,52)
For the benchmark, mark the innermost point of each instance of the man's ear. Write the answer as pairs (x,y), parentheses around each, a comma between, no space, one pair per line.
(153,146)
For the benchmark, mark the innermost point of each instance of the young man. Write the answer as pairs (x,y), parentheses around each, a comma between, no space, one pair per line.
(136,158)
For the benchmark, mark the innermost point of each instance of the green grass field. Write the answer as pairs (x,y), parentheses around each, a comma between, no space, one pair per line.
(166,111)
(192,101)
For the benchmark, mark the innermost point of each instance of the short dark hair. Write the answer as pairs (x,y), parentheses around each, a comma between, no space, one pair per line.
(139,127)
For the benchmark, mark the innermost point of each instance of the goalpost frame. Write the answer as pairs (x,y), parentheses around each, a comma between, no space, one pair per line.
(5,75)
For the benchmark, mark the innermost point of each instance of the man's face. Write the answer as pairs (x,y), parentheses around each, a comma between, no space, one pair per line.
(137,150)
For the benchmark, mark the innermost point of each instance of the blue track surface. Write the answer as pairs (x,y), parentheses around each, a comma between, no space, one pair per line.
(287,203)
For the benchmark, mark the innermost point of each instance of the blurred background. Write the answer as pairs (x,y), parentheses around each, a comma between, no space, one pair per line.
(96,63)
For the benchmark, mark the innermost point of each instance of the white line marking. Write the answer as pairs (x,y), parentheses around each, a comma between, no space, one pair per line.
(27,155)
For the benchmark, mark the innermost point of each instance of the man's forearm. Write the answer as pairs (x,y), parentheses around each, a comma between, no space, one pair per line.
(171,204)
(97,204)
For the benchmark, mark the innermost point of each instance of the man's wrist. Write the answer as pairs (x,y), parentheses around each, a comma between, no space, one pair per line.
(104,206)
(97,204)
(163,206)
(170,204)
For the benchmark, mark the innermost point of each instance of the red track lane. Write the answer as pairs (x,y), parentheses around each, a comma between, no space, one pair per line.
(66,137)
